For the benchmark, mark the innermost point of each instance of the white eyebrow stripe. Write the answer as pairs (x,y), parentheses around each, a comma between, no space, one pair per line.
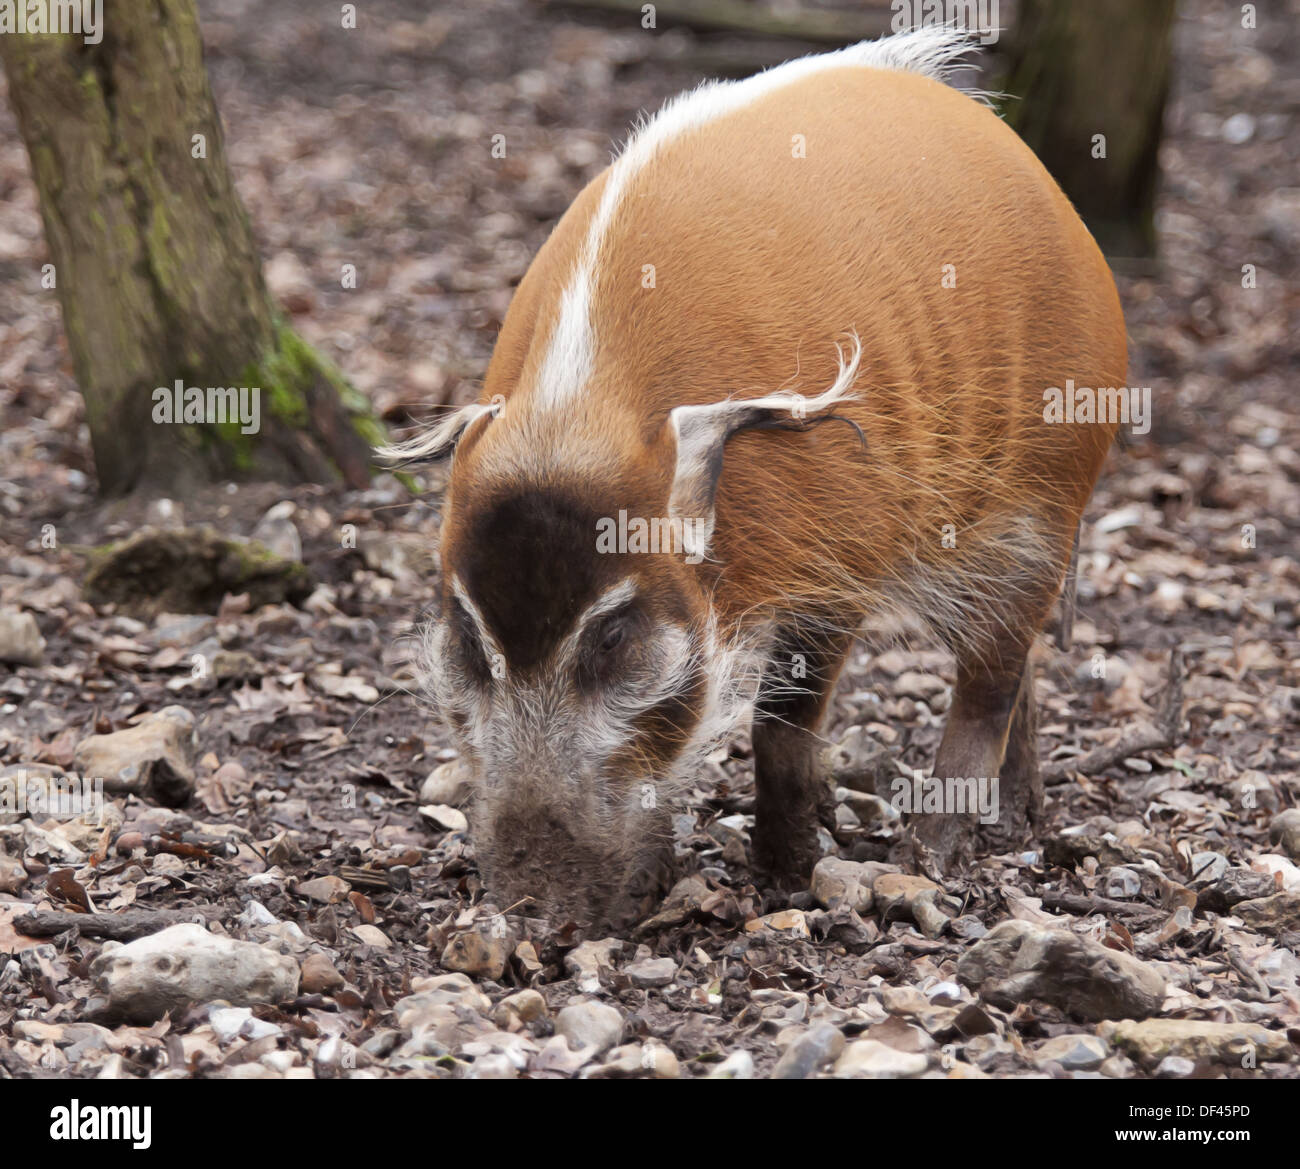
(490,643)
(611,599)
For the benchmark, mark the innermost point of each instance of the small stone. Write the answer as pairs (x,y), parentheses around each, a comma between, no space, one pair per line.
(1121,883)
(372,935)
(255,914)
(1235,886)
(326,890)
(1018,961)
(944,994)
(1279,868)
(230,1023)
(1152,1040)
(858,762)
(1118,1067)
(1207,867)
(868,1059)
(449,784)
(661,1061)
(480,951)
(13,876)
(1272,914)
(445,817)
(319,975)
(968,926)
(524,1005)
(635,1059)
(529,962)
(793,922)
(1285,831)
(153,759)
(589,1024)
(1174,1067)
(900,895)
(739,1065)
(183,965)
(128,842)
(652,972)
(587,961)
(1075,1053)
(839,882)
(493,1066)
(21,643)
(809,1051)
(276,531)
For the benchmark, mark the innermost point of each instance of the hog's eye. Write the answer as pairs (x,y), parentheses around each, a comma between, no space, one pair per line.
(606,649)
(612,637)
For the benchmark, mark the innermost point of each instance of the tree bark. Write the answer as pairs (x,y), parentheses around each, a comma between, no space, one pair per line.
(156,269)
(1082,68)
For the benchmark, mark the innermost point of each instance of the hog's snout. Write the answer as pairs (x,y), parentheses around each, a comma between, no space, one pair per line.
(590,873)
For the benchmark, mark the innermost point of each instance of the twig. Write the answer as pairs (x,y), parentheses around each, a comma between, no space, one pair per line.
(1262,992)
(1144,737)
(1074,903)
(118,927)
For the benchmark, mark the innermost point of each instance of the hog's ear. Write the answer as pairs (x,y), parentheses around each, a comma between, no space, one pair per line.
(701,434)
(440,439)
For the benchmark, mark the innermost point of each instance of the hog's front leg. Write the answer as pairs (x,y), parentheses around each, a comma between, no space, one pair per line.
(792,793)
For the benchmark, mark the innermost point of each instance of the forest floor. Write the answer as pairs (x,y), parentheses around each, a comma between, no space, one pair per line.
(307,753)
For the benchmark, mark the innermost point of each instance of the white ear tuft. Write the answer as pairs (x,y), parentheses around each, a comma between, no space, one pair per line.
(440,440)
(702,432)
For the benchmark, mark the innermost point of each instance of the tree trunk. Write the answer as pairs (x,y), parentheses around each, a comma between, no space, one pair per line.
(1083,68)
(156,269)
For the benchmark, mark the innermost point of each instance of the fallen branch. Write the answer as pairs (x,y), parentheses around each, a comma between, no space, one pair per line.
(1143,737)
(1086,906)
(117,927)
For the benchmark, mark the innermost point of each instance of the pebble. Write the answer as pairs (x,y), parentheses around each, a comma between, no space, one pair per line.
(902,895)
(809,1051)
(1151,1040)
(154,758)
(230,1023)
(524,1005)
(325,890)
(185,964)
(739,1065)
(838,882)
(589,1024)
(1075,1053)
(869,1059)
(448,784)
(652,972)
(1207,867)
(445,816)
(1121,883)
(21,643)
(482,950)
(1285,831)
(372,935)
(1018,961)
(319,975)
(1271,914)
(586,962)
